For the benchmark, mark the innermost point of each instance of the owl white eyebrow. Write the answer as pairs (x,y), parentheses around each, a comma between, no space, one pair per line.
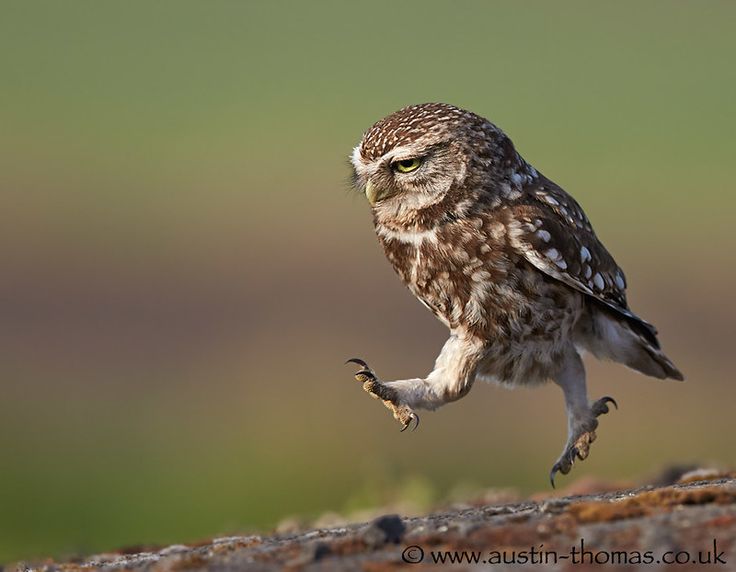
(401,154)
(404,153)
(399,159)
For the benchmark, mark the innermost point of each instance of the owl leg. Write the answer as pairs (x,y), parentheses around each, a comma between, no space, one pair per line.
(451,379)
(581,415)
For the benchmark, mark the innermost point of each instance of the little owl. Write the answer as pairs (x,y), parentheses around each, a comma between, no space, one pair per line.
(502,256)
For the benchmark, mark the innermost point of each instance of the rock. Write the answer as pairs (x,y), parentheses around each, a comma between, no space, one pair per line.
(384,529)
(634,529)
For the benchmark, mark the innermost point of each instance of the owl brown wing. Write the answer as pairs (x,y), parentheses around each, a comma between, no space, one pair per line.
(549,228)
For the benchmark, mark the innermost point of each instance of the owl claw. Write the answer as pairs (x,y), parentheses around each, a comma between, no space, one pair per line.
(412,417)
(387,394)
(365,374)
(564,464)
(553,473)
(600,407)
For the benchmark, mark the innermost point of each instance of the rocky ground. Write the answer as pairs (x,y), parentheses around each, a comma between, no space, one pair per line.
(687,525)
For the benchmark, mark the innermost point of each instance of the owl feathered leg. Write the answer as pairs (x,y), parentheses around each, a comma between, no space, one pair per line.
(581,415)
(452,377)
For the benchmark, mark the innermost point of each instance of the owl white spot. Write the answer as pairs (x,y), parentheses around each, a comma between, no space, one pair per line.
(498,229)
(473,264)
(474,311)
(544,235)
(620,281)
(550,200)
(552,254)
(588,272)
(462,208)
(584,254)
(561,263)
(457,313)
(512,193)
(598,281)
(461,256)
(480,276)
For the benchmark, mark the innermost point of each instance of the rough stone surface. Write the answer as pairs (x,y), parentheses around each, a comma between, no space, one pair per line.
(621,529)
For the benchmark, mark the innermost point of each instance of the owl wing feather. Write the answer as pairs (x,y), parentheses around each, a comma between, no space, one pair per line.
(549,228)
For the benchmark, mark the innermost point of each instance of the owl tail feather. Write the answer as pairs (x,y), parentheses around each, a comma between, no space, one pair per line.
(630,342)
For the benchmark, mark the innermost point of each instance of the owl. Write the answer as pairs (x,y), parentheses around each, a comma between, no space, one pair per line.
(502,256)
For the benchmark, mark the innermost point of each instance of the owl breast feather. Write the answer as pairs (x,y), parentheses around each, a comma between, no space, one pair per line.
(457,270)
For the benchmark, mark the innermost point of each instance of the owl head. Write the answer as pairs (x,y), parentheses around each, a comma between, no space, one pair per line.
(415,157)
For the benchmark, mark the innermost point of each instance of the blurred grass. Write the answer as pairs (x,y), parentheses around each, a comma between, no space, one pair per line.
(184,270)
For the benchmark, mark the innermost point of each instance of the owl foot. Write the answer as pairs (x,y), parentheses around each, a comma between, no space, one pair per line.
(387,394)
(578,444)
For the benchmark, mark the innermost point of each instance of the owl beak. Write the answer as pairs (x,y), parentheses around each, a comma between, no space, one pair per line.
(373,193)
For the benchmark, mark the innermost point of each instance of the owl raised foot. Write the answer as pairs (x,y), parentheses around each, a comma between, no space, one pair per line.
(580,438)
(388,395)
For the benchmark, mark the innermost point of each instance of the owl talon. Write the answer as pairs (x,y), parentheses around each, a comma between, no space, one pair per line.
(600,407)
(556,468)
(365,374)
(412,417)
(564,463)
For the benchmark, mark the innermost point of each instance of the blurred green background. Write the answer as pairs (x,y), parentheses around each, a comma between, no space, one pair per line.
(184,268)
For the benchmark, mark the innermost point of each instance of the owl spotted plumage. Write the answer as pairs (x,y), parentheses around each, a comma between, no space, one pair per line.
(502,256)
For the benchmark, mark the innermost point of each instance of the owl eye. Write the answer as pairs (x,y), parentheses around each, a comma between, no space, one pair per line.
(407,165)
